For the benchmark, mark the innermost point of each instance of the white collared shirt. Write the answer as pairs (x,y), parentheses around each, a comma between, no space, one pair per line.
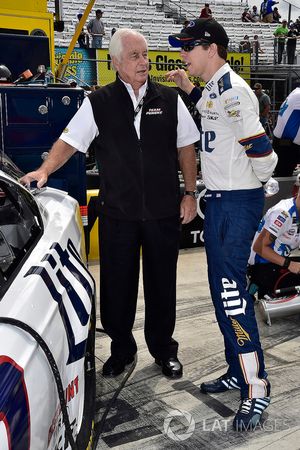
(82,128)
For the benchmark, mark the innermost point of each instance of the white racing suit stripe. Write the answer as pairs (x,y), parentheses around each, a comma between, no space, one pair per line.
(250,367)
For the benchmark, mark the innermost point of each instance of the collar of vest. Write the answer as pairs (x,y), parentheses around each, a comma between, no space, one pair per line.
(153,88)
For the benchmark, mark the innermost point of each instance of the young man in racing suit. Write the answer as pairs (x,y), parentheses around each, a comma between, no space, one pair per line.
(236,158)
(278,234)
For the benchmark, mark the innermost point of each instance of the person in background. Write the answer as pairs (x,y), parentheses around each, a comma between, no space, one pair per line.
(245,45)
(206,11)
(266,10)
(264,104)
(280,35)
(96,29)
(286,140)
(256,49)
(276,15)
(236,158)
(142,133)
(254,14)
(82,37)
(246,16)
(292,36)
(278,234)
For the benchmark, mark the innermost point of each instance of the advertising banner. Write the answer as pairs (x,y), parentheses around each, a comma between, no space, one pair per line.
(93,67)
(163,61)
(81,66)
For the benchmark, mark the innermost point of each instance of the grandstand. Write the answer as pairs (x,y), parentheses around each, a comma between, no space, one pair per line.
(156,19)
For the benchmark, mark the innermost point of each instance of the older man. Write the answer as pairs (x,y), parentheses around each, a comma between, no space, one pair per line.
(143,134)
(236,159)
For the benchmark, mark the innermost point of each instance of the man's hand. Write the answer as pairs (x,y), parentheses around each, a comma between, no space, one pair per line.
(59,154)
(40,175)
(188,209)
(179,76)
(294,267)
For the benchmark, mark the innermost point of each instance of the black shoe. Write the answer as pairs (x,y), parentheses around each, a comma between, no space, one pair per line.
(250,411)
(114,366)
(222,384)
(171,367)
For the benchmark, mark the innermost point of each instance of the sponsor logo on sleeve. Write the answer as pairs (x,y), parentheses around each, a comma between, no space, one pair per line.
(291,231)
(231,100)
(233,113)
(281,218)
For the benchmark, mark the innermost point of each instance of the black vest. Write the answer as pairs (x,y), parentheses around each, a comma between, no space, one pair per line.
(138,178)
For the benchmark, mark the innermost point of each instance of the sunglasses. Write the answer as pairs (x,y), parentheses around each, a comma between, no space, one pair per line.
(192,45)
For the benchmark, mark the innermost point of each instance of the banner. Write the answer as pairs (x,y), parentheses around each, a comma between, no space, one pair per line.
(93,67)
(81,66)
(160,62)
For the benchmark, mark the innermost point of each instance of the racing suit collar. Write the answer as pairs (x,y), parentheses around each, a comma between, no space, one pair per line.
(225,68)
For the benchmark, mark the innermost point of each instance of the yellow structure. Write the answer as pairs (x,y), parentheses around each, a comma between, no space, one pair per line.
(34,20)
(94,241)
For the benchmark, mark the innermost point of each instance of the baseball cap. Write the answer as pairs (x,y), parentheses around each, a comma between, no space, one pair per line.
(207,29)
(257,86)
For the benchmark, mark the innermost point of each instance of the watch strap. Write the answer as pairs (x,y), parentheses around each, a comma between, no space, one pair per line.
(191,193)
(286,263)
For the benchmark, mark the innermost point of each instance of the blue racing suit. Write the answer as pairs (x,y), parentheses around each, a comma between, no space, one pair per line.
(236,158)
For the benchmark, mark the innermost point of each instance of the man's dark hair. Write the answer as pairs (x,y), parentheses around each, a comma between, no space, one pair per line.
(222,52)
(98,11)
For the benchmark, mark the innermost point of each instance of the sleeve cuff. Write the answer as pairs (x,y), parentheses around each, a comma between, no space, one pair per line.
(195,95)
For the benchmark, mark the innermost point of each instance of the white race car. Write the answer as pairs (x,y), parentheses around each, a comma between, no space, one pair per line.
(47,322)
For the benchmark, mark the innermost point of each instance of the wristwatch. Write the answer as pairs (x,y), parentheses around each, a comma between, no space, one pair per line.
(194,194)
(286,263)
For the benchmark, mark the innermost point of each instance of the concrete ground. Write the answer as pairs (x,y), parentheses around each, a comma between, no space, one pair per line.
(153,412)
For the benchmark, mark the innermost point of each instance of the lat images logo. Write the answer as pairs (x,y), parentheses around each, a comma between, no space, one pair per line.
(172,431)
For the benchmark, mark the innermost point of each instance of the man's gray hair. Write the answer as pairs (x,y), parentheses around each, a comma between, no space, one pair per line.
(116,42)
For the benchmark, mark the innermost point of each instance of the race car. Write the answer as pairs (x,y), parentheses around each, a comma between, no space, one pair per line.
(47,320)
